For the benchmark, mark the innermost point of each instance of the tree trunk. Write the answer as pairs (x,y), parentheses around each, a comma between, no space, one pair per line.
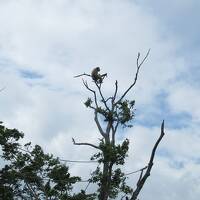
(104,190)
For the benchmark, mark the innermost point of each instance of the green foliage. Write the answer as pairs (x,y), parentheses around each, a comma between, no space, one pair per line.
(122,113)
(118,184)
(30,173)
(112,155)
(126,112)
(88,103)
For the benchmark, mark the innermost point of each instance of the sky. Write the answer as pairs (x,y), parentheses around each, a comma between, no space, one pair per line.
(44,43)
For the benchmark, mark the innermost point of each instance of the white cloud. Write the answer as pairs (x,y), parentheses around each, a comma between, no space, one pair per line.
(185,98)
(59,39)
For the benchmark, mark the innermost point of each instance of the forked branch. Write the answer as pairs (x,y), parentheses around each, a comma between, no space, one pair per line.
(102,97)
(136,75)
(99,125)
(94,93)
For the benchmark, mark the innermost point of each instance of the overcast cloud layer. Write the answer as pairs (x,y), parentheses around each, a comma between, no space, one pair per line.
(43,44)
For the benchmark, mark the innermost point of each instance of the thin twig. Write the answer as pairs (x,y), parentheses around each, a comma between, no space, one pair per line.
(102,97)
(116,89)
(94,93)
(84,143)
(139,170)
(108,99)
(78,161)
(136,75)
(84,74)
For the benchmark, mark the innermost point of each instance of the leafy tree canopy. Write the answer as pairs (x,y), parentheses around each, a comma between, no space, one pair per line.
(29,173)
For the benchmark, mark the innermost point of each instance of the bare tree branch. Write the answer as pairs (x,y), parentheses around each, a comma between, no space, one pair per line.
(102,97)
(140,177)
(114,129)
(108,99)
(136,75)
(98,125)
(139,65)
(139,170)
(85,143)
(108,128)
(115,94)
(143,178)
(94,93)
(84,74)
(95,109)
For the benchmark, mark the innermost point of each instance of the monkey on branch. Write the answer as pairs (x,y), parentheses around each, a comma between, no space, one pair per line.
(95,75)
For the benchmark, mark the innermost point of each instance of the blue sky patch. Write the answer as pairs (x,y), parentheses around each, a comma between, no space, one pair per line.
(30,74)
(161,112)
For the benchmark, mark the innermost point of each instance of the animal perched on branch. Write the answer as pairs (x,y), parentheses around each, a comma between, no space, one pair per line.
(96,76)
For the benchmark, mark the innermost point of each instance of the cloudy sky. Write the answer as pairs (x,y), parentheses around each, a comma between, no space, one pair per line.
(44,43)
